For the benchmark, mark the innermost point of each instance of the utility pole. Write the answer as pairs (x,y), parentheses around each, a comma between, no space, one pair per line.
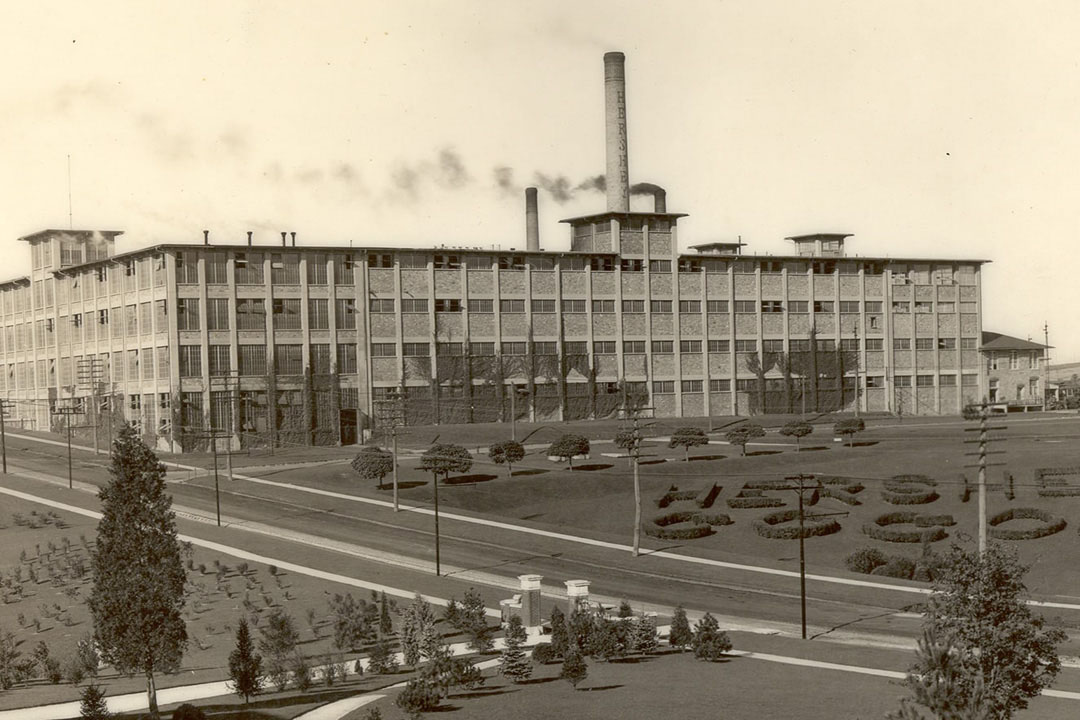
(213,438)
(637,488)
(4,405)
(390,414)
(435,478)
(858,363)
(983,441)
(90,372)
(67,412)
(1046,363)
(800,488)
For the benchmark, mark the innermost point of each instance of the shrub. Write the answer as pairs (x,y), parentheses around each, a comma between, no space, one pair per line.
(714,519)
(897,567)
(568,447)
(743,434)
(509,452)
(880,530)
(865,560)
(1053,492)
(707,500)
(187,711)
(775,526)
(373,463)
(689,532)
(1053,524)
(798,430)
(688,437)
(740,502)
(674,517)
(845,495)
(544,654)
(849,427)
(675,496)
(709,641)
(907,497)
(301,672)
(419,695)
(934,520)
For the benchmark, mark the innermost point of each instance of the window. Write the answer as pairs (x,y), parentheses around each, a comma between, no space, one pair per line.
(603,306)
(924,307)
(690,346)
(248,268)
(478,305)
(947,380)
(478,262)
(512,306)
(413,261)
(380,260)
(633,347)
(660,266)
(217,269)
(924,381)
(190,361)
(969,379)
(574,306)
(874,344)
(131,320)
(849,306)
(631,265)
(449,349)
(946,343)
(719,346)
(772,346)
(633,306)
(383,350)
(875,381)
(663,347)
(946,307)
(318,314)
(220,365)
(873,306)
(772,306)
(663,387)
(346,359)
(1014,361)
(187,269)
(716,306)
(690,306)
(545,348)
(967,343)
(187,314)
(771,266)
(902,381)
(824,306)
(415,349)
(604,347)
(745,385)
(343,270)
(250,314)
(823,267)
(542,262)
(745,306)
(901,344)
(545,306)
(968,307)
(286,314)
(849,345)
(689,265)
(482,349)
(660,306)
(692,386)
(284,269)
(798,306)
(511,262)
(413,305)
(602,264)
(901,306)
(345,313)
(513,348)
(447,305)
(826,345)
(288,359)
(382,305)
(798,346)
(720,385)
(924,343)
(573,263)
(745,346)
(447,262)
(576,347)
(217,314)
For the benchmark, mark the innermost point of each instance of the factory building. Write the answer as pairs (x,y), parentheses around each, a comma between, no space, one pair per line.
(287,344)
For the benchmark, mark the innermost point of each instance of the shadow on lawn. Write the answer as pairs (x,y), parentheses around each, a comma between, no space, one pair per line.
(652,462)
(484,693)
(758,453)
(601,687)
(540,681)
(814,448)
(707,457)
(532,471)
(864,443)
(592,466)
(469,479)
(406,485)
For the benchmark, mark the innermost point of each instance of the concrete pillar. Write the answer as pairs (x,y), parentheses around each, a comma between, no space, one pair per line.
(530,600)
(577,594)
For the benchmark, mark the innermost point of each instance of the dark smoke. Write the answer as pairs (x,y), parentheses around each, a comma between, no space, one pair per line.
(597,183)
(504,180)
(452,173)
(558,187)
(644,188)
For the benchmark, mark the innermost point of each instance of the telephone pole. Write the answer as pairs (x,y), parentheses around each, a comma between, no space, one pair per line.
(984,451)
(1046,363)
(637,488)
(90,373)
(4,405)
(67,412)
(390,414)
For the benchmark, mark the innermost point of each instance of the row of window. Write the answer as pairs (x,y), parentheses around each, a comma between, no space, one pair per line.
(249,269)
(667,387)
(386,305)
(251,314)
(251,360)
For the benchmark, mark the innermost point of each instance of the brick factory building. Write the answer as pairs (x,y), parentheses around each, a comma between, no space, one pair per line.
(288,344)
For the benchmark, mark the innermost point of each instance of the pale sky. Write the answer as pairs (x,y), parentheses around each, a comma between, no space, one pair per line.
(940,129)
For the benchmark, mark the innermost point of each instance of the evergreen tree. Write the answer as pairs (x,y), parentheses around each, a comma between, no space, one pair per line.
(92,703)
(245,665)
(386,625)
(138,568)
(680,635)
(581,628)
(277,645)
(574,669)
(560,639)
(710,642)
(473,619)
(513,664)
(417,697)
(947,683)
(625,609)
(445,671)
(643,634)
(382,660)
(418,635)
(608,639)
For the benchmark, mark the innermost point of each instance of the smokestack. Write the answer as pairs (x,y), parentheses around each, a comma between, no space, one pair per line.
(659,200)
(283,234)
(532,221)
(249,238)
(618,163)
(205,237)
(293,239)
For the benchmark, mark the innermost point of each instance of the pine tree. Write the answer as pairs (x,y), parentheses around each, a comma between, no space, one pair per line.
(948,683)
(245,665)
(513,664)
(277,645)
(581,628)
(418,635)
(473,619)
(710,642)
(382,660)
(560,639)
(574,669)
(680,635)
(138,569)
(644,638)
(386,625)
(92,703)
(625,609)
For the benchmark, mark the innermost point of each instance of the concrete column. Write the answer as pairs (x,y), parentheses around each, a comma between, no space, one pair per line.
(530,600)
(577,594)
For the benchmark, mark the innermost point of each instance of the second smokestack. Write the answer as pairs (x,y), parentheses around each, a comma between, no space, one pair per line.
(532,221)
(618,159)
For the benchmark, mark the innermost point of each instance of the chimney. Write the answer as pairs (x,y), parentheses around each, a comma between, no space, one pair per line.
(293,238)
(249,238)
(618,163)
(532,224)
(283,234)
(205,237)
(659,200)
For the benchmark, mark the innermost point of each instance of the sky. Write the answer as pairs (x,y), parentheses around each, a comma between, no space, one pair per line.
(926,129)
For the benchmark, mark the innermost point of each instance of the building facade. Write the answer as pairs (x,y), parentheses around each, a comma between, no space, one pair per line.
(307,345)
(1015,372)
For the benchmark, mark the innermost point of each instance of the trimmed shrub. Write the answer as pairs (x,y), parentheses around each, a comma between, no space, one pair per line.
(898,567)
(844,495)
(864,560)
(880,530)
(714,518)
(1054,492)
(1053,524)
(706,501)
(934,521)
(675,496)
(908,497)
(775,526)
(742,503)
(685,532)
(766,485)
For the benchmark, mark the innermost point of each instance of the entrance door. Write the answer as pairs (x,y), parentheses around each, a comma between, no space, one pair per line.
(348,427)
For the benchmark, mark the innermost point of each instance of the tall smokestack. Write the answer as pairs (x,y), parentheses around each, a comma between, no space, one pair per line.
(249,238)
(205,237)
(283,233)
(659,200)
(293,235)
(618,162)
(532,221)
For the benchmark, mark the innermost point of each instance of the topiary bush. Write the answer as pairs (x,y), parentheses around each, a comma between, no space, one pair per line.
(1053,524)
(845,495)
(934,521)
(751,497)
(776,526)
(672,496)
(544,654)
(898,567)
(880,530)
(865,559)
(685,532)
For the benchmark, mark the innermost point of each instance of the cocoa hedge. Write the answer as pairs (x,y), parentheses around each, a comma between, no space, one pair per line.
(880,529)
(1052,524)
(778,526)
